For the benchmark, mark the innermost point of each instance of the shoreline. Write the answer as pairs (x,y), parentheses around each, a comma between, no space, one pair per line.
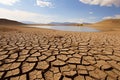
(101,28)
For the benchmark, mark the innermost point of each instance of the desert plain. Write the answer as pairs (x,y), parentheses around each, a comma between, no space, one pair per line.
(44,54)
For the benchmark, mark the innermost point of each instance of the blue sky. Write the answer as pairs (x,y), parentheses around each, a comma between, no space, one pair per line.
(46,11)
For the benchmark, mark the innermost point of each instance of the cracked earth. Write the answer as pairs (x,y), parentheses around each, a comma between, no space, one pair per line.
(54,55)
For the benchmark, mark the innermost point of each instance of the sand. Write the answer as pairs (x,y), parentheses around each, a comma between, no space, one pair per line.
(107,25)
(42,54)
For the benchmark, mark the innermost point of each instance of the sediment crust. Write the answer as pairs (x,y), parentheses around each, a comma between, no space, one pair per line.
(42,54)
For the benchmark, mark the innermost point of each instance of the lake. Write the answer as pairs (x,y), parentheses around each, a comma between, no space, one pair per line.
(70,28)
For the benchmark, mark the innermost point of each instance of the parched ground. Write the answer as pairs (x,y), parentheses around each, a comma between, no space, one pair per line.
(38,54)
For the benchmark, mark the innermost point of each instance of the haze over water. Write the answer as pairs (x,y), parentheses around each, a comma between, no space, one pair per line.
(70,28)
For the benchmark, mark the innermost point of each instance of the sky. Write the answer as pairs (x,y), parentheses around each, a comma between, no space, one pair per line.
(47,11)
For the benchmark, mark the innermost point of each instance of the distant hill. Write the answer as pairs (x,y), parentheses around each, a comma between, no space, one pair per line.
(62,23)
(65,24)
(28,22)
(86,23)
(108,22)
(9,22)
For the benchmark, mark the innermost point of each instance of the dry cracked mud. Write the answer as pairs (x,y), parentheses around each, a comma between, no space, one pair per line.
(57,55)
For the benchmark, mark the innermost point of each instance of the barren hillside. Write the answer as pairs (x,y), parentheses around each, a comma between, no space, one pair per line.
(9,22)
(109,24)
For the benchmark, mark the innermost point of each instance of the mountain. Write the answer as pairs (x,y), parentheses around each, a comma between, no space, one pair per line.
(28,22)
(9,22)
(65,24)
(55,23)
(86,23)
(61,23)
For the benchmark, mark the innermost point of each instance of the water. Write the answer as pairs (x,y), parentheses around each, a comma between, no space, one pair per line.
(70,28)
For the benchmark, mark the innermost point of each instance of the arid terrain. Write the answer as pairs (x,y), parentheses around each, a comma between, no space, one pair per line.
(107,25)
(42,54)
